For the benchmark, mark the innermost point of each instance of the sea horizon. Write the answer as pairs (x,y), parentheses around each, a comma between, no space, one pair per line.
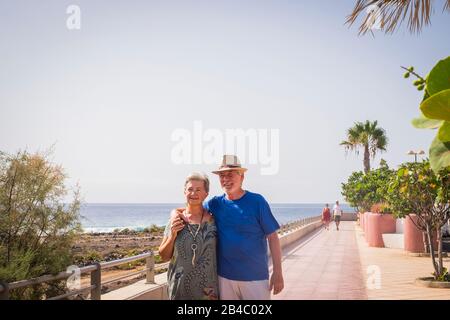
(107,217)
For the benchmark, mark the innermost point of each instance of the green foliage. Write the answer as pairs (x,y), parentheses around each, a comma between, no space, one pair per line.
(435,107)
(419,188)
(158,258)
(416,188)
(440,154)
(354,191)
(444,132)
(425,123)
(439,77)
(155,229)
(444,276)
(364,190)
(37,230)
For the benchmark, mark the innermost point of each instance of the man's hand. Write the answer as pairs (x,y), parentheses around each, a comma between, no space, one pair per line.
(178,212)
(176,225)
(276,282)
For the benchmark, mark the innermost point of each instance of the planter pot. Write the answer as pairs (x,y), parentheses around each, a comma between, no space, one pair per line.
(413,237)
(366,225)
(361,220)
(379,224)
(429,282)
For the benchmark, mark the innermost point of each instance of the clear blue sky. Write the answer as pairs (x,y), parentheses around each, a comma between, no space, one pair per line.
(111,94)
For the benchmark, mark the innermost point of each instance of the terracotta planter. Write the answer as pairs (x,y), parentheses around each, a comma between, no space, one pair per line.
(361,222)
(413,237)
(366,225)
(379,224)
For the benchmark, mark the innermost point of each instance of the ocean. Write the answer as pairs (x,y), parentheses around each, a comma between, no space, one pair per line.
(104,217)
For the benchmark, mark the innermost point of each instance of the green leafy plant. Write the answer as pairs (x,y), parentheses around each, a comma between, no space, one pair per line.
(367,191)
(416,188)
(445,276)
(435,110)
(37,227)
(381,207)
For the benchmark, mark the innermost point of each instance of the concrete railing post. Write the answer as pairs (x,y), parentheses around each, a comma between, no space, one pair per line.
(96,281)
(150,269)
(4,294)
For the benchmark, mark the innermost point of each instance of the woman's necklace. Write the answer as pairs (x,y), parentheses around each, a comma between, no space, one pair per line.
(194,236)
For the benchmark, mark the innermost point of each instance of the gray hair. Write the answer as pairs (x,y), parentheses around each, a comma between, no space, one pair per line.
(196,176)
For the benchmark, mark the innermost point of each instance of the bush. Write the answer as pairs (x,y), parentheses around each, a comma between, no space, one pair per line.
(37,230)
(416,188)
(155,229)
(125,231)
(363,191)
(382,207)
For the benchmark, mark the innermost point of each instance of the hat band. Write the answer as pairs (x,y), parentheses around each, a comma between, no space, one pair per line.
(231,166)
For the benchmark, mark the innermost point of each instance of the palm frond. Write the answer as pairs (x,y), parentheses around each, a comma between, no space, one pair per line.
(365,134)
(392,13)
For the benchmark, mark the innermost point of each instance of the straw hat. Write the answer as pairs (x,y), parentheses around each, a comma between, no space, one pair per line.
(230,162)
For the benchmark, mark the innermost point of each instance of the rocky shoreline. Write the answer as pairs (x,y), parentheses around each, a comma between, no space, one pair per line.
(107,246)
(96,247)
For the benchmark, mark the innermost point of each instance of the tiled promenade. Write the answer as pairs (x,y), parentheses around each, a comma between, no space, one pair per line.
(325,266)
(398,270)
(333,265)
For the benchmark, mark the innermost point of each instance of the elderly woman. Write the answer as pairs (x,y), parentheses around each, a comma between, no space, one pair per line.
(190,245)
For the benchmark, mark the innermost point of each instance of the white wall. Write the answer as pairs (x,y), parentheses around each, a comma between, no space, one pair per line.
(399,223)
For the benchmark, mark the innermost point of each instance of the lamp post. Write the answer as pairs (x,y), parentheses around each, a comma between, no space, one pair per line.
(415,153)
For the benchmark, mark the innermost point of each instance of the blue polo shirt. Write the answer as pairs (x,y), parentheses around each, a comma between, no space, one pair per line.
(242,227)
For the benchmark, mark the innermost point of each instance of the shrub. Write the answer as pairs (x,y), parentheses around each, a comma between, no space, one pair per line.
(416,188)
(37,229)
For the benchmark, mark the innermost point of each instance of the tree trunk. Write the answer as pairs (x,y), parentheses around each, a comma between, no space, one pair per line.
(366,159)
(440,260)
(433,258)
(425,242)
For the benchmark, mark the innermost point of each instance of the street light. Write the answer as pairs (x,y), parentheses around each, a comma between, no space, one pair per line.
(415,153)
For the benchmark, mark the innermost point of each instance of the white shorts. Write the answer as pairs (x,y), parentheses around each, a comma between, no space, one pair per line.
(243,290)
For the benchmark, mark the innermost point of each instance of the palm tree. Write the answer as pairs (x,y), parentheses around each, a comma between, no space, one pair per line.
(368,136)
(391,13)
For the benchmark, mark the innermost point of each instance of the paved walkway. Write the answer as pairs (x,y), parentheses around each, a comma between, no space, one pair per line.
(324,266)
(397,271)
(338,265)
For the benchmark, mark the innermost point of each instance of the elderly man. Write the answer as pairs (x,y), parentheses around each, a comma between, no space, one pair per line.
(244,223)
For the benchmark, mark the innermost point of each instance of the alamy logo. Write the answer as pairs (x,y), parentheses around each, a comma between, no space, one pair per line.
(374,17)
(73,22)
(74,281)
(373,277)
(253,146)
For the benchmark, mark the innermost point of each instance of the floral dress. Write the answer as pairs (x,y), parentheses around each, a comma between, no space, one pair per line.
(199,281)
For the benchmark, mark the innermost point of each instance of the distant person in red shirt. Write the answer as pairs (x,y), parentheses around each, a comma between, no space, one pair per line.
(326,216)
